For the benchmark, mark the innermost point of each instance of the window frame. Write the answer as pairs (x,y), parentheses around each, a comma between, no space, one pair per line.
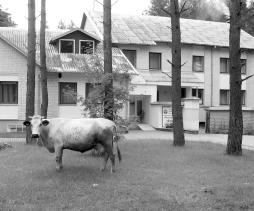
(228,97)
(201,100)
(59,91)
(203,64)
(16,92)
(135,57)
(243,66)
(243,93)
(60,44)
(157,53)
(86,41)
(227,65)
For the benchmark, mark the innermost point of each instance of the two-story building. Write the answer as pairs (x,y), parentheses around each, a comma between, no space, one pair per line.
(146,42)
(70,55)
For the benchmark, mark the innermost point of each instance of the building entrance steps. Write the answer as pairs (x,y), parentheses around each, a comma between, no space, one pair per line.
(146,127)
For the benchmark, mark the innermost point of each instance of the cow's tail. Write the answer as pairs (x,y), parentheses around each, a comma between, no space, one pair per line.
(116,139)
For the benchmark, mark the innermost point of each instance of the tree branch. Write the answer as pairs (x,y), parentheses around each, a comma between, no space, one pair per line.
(170,63)
(183,9)
(167,74)
(167,12)
(184,63)
(244,79)
(114,3)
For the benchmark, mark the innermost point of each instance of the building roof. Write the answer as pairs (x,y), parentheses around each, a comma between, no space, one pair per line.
(59,36)
(187,77)
(61,62)
(147,30)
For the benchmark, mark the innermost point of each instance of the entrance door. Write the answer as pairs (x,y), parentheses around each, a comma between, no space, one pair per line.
(140,113)
(139,107)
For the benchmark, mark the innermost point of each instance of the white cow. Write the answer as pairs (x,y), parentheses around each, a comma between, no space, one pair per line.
(80,135)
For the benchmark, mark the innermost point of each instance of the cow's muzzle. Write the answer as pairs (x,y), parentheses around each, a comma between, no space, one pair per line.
(35,136)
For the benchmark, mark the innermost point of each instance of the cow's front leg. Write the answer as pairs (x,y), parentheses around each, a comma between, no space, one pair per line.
(106,155)
(59,155)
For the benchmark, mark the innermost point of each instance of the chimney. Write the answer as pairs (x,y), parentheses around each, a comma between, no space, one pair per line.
(83,22)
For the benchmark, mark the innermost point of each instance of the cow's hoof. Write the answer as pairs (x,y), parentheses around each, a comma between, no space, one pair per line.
(102,169)
(59,168)
(113,170)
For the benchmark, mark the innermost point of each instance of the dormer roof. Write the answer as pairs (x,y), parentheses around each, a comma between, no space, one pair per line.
(62,35)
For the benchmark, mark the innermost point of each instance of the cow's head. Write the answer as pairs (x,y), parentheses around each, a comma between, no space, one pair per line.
(36,122)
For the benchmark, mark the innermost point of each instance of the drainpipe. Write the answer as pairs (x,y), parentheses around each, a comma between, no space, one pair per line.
(212,75)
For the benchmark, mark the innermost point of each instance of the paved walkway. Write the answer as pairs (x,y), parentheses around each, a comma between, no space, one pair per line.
(248,141)
(136,135)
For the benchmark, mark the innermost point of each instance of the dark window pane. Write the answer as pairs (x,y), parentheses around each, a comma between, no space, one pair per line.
(224,65)
(243,97)
(199,94)
(224,97)
(243,66)
(67,46)
(8,92)
(86,47)
(183,92)
(131,56)
(155,61)
(68,93)
(198,63)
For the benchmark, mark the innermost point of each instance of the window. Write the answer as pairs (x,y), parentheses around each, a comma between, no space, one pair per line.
(67,46)
(198,93)
(224,97)
(131,56)
(198,63)
(8,92)
(224,65)
(154,61)
(183,92)
(89,89)
(86,46)
(243,66)
(243,97)
(67,93)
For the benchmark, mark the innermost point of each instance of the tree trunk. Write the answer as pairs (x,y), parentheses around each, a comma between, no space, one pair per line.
(107,47)
(30,93)
(43,67)
(234,145)
(176,75)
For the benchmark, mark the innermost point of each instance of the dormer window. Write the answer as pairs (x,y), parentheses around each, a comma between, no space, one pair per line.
(67,46)
(86,46)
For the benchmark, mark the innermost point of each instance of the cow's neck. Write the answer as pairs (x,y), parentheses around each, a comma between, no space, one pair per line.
(44,135)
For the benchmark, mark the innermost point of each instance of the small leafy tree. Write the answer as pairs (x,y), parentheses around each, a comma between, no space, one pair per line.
(94,102)
(5,18)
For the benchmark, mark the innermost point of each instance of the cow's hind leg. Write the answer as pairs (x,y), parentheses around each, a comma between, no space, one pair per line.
(109,152)
(59,155)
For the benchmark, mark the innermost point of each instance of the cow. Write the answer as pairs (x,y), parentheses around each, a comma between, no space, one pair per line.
(80,135)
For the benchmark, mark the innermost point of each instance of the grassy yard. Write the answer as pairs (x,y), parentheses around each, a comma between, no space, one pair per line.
(152,176)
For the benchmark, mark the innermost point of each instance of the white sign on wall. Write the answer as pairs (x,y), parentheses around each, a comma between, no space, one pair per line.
(167,116)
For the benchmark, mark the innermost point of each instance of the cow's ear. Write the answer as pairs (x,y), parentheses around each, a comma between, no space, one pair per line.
(45,122)
(27,123)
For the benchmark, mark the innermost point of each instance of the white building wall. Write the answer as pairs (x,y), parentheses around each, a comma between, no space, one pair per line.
(13,65)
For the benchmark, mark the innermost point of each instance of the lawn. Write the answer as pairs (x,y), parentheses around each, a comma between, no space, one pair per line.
(154,175)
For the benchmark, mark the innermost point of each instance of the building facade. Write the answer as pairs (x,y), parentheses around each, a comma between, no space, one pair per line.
(70,55)
(146,42)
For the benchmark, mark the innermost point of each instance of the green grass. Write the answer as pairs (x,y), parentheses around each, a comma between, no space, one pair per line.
(152,176)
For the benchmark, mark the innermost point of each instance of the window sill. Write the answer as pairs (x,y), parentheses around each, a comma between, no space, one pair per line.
(67,104)
(8,104)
